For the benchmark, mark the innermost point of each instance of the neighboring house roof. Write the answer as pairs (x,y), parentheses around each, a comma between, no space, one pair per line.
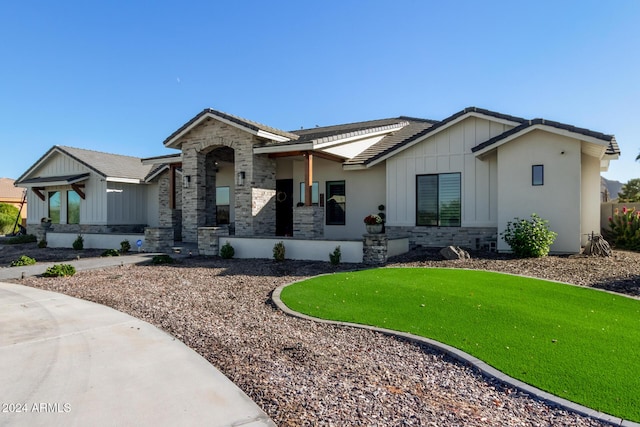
(112,167)
(255,128)
(9,192)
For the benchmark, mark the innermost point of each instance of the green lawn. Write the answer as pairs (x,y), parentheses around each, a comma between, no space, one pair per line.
(577,343)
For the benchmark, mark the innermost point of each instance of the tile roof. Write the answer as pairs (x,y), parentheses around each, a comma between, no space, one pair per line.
(254,126)
(105,164)
(8,191)
(611,149)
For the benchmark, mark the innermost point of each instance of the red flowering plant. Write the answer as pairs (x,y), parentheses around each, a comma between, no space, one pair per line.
(625,227)
(373,219)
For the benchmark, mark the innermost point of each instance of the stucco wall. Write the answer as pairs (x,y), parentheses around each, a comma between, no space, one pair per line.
(590,197)
(557,201)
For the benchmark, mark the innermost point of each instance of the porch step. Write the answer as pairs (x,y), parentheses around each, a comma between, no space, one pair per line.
(185,249)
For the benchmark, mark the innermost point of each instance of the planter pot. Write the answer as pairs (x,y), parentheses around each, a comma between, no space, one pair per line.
(374,229)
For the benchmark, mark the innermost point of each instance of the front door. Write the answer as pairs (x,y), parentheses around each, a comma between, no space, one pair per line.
(284,207)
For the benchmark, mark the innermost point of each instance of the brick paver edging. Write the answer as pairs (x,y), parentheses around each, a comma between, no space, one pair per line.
(460,355)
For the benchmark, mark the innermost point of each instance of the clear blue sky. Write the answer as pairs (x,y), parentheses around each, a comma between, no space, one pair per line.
(121,76)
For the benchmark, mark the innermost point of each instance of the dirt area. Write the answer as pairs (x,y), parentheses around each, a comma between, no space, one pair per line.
(9,253)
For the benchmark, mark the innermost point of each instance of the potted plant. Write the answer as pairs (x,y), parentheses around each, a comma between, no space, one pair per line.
(373,222)
(45,223)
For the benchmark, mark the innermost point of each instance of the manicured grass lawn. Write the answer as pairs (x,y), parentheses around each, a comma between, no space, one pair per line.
(577,343)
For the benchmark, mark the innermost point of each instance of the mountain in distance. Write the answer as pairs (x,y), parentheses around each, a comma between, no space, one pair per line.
(612,188)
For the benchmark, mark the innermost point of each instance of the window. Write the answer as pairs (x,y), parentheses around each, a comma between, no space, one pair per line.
(537,175)
(314,192)
(73,207)
(438,200)
(222,205)
(54,206)
(336,202)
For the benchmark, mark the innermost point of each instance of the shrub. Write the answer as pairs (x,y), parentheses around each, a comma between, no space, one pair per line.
(625,228)
(334,258)
(110,252)
(78,244)
(60,270)
(8,216)
(227,251)
(278,251)
(42,244)
(162,259)
(23,238)
(125,246)
(529,238)
(23,260)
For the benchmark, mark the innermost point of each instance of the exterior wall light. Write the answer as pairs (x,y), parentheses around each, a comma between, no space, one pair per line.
(240,179)
(186,180)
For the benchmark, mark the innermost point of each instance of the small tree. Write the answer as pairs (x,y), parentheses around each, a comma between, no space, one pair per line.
(529,238)
(630,191)
(8,216)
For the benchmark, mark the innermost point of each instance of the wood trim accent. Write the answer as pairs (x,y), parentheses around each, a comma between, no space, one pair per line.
(308,178)
(38,192)
(78,188)
(320,154)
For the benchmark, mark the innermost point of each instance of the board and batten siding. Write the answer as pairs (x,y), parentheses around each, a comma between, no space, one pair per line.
(126,203)
(447,151)
(92,209)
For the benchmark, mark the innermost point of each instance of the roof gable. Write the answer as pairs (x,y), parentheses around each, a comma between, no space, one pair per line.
(255,128)
(112,167)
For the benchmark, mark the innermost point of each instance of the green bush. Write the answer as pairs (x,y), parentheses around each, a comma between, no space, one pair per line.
(278,251)
(125,246)
(42,244)
(60,270)
(110,252)
(8,216)
(529,238)
(162,259)
(625,229)
(334,258)
(227,251)
(23,238)
(78,244)
(23,260)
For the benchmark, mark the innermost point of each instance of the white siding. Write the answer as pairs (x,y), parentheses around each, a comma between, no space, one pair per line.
(126,203)
(447,151)
(590,206)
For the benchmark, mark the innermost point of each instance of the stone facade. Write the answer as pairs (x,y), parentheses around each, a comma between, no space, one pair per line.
(375,248)
(465,237)
(158,239)
(254,202)
(308,222)
(168,217)
(209,239)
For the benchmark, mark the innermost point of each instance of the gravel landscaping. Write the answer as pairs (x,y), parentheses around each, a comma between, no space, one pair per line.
(306,373)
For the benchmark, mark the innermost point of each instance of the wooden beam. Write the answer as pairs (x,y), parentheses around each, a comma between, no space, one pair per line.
(320,154)
(38,190)
(308,178)
(79,189)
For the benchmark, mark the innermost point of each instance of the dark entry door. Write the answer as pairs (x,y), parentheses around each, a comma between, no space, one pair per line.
(284,207)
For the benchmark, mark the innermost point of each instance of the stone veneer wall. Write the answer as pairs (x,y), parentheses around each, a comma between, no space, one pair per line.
(254,202)
(308,222)
(375,248)
(158,239)
(466,237)
(168,217)
(208,239)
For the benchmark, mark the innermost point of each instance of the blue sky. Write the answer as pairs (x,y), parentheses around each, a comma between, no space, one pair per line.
(121,76)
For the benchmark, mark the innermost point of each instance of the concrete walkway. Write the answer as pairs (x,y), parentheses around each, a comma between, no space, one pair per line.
(70,362)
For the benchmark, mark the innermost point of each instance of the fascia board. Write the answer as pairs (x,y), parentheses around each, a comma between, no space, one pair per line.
(177,158)
(282,148)
(123,180)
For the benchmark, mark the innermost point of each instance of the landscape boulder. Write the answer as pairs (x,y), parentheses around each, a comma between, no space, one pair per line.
(454,252)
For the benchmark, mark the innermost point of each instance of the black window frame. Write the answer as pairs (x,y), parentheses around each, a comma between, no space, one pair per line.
(71,196)
(56,197)
(225,209)
(437,221)
(535,182)
(332,203)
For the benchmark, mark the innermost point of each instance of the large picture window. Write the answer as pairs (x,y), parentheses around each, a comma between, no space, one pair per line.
(222,205)
(438,200)
(54,206)
(336,203)
(73,207)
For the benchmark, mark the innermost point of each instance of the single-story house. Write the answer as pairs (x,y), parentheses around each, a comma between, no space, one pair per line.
(453,181)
